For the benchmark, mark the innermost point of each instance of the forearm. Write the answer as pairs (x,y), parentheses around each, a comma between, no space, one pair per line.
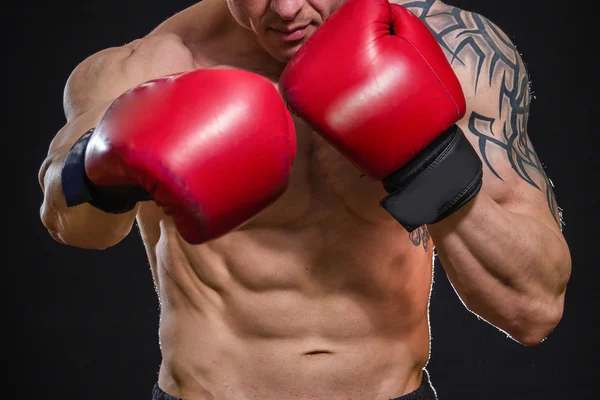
(507,268)
(81,226)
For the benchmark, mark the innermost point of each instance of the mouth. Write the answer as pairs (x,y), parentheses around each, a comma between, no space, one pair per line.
(289,34)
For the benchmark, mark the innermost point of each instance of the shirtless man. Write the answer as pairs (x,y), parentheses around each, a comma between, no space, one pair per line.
(304,284)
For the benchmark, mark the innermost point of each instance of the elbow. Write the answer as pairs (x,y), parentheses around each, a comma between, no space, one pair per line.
(55,225)
(50,221)
(539,318)
(532,319)
(533,324)
(81,226)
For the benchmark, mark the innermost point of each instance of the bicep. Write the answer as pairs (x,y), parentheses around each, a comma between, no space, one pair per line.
(90,89)
(513,174)
(96,80)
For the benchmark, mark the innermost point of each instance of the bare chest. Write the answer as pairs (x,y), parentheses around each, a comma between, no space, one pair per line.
(323,185)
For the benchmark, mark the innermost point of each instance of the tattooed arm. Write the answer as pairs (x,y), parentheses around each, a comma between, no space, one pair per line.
(504,252)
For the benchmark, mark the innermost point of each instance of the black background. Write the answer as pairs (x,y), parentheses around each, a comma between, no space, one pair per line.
(86,321)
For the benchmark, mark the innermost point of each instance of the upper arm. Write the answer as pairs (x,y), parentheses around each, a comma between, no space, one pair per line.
(496,85)
(97,81)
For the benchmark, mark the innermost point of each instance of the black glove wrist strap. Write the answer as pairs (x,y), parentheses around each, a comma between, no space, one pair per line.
(437,182)
(78,189)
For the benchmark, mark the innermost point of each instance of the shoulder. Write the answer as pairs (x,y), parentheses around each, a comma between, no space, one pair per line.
(490,68)
(106,74)
(439,16)
(483,56)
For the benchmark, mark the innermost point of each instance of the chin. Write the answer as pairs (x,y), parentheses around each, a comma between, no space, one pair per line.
(285,54)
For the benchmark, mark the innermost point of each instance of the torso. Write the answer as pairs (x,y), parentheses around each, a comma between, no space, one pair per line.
(322,295)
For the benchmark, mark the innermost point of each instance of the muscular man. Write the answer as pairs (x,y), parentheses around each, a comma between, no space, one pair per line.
(291,261)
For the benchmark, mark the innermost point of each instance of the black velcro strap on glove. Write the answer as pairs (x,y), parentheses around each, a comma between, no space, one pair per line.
(436,183)
(78,189)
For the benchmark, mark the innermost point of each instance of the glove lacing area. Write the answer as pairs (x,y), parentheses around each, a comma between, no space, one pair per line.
(436,183)
(78,189)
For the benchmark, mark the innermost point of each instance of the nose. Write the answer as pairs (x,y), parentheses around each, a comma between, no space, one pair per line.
(287,9)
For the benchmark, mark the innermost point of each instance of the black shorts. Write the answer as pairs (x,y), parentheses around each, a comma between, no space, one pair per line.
(424,392)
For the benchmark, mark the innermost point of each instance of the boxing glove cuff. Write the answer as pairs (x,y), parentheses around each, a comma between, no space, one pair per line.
(436,183)
(78,189)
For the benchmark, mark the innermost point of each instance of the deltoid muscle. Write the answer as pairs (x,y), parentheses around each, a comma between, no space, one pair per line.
(470,40)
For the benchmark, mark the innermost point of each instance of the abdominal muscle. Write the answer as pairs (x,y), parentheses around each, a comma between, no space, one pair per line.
(332,309)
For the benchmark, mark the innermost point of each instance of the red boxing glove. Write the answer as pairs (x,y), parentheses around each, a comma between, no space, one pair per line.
(373,81)
(212,147)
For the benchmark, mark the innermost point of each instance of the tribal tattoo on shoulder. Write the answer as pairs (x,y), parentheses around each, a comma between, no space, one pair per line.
(470,39)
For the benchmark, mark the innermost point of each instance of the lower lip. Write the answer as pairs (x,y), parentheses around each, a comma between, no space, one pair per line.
(291,36)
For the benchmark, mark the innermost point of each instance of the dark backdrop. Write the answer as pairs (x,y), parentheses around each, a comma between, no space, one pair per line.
(86,321)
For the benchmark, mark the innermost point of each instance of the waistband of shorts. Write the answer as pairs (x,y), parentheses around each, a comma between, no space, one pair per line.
(424,392)
(158,394)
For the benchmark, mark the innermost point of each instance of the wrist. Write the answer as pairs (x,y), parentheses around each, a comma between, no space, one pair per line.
(78,188)
(440,180)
